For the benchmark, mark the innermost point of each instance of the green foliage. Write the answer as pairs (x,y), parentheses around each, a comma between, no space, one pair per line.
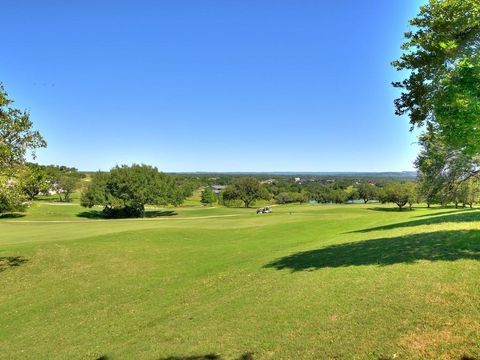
(441,169)
(208,196)
(457,106)
(16,134)
(96,191)
(468,192)
(328,194)
(245,189)
(63,181)
(34,180)
(399,193)
(446,33)
(291,197)
(12,197)
(16,138)
(367,192)
(125,190)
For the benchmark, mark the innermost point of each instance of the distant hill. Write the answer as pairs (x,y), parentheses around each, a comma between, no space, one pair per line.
(386,174)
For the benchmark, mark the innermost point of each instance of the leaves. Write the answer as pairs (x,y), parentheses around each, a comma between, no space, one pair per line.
(16,133)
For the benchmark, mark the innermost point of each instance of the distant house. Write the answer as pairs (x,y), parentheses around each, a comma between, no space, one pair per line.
(268,181)
(217,188)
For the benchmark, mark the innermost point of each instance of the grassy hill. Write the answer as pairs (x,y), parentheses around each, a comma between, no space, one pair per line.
(305,282)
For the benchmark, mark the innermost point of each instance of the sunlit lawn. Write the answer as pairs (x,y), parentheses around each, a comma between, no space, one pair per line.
(305,282)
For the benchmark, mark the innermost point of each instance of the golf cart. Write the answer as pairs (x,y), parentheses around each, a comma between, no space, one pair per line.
(264,210)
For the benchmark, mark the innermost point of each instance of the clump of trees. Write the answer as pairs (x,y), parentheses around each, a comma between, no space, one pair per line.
(291,197)
(245,190)
(125,190)
(367,192)
(400,194)
(442,95)
(63,181)
(325,194)
(17,138)
(208,196)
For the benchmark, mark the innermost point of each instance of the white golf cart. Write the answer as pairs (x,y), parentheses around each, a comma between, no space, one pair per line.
(264,210)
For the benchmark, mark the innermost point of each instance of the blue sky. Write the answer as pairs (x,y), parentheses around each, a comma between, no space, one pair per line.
(211,85)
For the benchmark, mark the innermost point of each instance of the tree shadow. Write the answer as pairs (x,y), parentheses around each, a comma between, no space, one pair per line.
(92,214)
(11,215)
(159,213)
(193,357)
(11,261)
(391,209)
(98,214)
(212,356)
(456,216)
(456,211)
(435,246)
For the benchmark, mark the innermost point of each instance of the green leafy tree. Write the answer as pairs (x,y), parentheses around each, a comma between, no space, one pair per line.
(16,134)
(442,169)
(457,106)
(208,196)
(469,192)
(34,180)
(229,197)
(446,36)
(367,192)
(320,193)
(11,196)
(125,190)
(248,189)
(96,192)
(400,194)
(17,138)
(64,181)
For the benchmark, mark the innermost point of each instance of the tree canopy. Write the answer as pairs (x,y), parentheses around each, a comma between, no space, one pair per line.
(16,133)
(445,36)
(125,190)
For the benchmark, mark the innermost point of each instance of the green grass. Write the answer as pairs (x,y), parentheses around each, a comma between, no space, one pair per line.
(305,282)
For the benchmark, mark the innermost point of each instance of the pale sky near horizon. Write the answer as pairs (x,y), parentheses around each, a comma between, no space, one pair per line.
(211,85)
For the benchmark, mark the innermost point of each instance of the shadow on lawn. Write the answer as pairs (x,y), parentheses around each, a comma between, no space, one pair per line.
(98,214)
(11,215)
(451,216)
(193,357)
(435,246)
(11,261)
(245,356)
(391,209)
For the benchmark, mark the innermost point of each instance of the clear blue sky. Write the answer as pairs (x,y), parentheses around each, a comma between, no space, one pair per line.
(211,85)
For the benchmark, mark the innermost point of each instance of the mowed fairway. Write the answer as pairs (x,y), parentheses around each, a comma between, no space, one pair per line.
(305,282)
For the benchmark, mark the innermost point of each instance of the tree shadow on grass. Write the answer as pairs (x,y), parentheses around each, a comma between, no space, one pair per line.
(98,214)
(159,213)
(456,216)
(391,209)
(194,357)
(213,356)
(435,246)
(456,211)
(11,215)
(11,261)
